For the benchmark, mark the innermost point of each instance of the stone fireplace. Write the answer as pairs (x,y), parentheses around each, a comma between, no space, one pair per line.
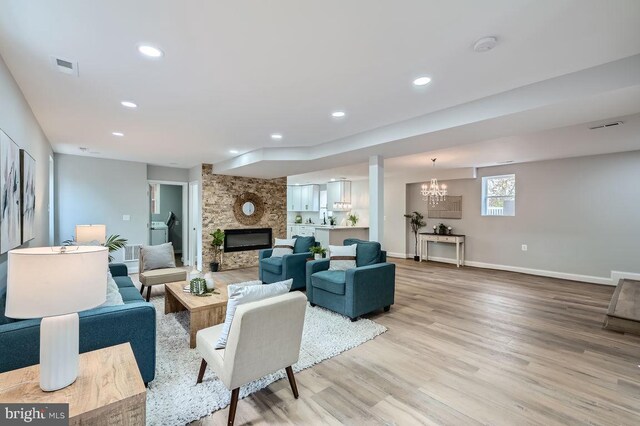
(219,194)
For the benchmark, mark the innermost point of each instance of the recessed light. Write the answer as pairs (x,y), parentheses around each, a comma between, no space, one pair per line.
(421,81)
(338,114)
(128,104)
(150,51)
(117,133)
(233,151)
(276,136)
(485,44)
(333,179)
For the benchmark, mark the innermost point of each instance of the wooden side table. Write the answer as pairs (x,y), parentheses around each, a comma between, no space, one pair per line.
(423,245)
(108,391)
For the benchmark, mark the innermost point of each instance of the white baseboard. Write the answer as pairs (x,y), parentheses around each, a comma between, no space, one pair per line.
(618,275)
(613,280)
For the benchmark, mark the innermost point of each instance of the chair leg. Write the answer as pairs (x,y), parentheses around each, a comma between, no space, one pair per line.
(148,293)
(203,366)
(292,381)
(232,407)
(354,319)
(141,288)
(387,308)
(312,304)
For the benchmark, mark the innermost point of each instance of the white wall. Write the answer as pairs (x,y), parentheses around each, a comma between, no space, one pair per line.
(172,174)
(17,121)
(579,218)
(94,190)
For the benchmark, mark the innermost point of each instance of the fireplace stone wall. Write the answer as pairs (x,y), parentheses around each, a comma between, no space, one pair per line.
(219,193)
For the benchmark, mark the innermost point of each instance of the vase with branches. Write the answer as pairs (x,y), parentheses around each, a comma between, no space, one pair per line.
(217,241)
(416,220)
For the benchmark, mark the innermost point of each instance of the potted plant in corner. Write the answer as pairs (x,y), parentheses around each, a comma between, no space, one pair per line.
(416,220)
(217,241)
(318,252)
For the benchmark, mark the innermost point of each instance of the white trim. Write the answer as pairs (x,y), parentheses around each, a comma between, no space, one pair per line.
(618,275)
(399,255)
(539,272)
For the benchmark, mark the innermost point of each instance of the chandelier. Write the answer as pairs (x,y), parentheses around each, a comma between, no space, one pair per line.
(432,192)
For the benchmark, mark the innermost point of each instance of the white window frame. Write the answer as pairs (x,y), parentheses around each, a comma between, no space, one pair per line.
(484,210)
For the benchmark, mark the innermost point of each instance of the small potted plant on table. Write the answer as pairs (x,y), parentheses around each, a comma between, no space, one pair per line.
(318,252)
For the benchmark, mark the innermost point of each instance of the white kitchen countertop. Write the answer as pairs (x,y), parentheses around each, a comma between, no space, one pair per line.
(319,226)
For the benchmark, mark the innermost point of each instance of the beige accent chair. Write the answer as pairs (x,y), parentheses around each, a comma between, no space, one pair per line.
(265,337)
(157,276)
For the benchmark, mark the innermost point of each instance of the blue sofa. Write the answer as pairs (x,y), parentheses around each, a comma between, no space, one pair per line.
(274,269)
(133,322)
(369,286)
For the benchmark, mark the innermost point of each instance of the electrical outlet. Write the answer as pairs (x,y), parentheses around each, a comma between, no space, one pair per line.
(524,247)
(126,217)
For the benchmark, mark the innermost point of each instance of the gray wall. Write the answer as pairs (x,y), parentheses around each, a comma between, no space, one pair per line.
(171,200)
(577,216)
(172,174)
(100,191)
(17,121)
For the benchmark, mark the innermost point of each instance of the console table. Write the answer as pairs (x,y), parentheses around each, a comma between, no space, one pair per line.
(423,245)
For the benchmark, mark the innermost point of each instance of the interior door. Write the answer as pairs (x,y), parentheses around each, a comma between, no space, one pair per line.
(194,219)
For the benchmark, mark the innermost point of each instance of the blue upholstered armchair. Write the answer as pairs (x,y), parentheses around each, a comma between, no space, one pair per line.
(369,286)
(274,269)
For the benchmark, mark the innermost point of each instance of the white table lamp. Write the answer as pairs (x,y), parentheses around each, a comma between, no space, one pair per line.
(55,283)
(89,233)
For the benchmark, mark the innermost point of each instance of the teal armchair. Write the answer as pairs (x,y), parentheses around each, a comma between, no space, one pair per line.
(274,269)
(354,292)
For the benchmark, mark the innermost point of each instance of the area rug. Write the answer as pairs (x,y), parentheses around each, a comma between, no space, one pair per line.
(173,397)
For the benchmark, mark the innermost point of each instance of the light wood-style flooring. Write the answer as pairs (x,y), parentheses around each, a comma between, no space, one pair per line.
(468,346)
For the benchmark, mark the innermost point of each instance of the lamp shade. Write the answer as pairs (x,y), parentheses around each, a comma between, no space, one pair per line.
(49,281)
(89,233)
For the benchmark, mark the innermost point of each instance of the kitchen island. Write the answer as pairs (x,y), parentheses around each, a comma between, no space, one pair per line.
(328,234)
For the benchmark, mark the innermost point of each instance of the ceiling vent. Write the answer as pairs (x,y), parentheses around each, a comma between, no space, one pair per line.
(65,66)
(602,126)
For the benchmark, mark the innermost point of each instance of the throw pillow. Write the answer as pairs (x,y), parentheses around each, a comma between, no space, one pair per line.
(245,293)
(342,258)
(160,256)
(282,247)
(113,293)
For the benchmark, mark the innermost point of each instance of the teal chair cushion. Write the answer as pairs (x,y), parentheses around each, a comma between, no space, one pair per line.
(123,282)
(367,253)
(3,305)
(331,281)
(303,244)
(272,264)
(130,295)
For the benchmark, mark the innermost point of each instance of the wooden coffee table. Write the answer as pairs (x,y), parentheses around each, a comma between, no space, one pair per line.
(204,311)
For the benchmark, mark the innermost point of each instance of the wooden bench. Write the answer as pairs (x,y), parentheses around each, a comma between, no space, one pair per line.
(624,309)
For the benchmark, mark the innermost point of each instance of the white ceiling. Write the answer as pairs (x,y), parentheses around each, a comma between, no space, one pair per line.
(235,72)
(564,142)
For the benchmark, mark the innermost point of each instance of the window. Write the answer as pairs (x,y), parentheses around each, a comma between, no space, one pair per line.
(499,195)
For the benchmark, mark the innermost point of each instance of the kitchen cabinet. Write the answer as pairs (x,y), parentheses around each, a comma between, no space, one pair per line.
(303,198)
(300,230)
(339,195)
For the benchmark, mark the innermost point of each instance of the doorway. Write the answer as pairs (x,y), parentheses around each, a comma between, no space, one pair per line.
(167,217)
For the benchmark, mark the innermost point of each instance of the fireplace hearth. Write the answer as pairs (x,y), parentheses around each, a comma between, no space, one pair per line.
(247,239)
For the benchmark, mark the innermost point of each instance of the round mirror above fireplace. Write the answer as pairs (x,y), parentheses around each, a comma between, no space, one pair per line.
(248,208)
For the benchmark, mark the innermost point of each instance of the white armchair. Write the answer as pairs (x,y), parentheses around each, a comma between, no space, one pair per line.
(265,337)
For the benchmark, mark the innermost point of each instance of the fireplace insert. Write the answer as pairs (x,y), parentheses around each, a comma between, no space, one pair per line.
(247,239)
